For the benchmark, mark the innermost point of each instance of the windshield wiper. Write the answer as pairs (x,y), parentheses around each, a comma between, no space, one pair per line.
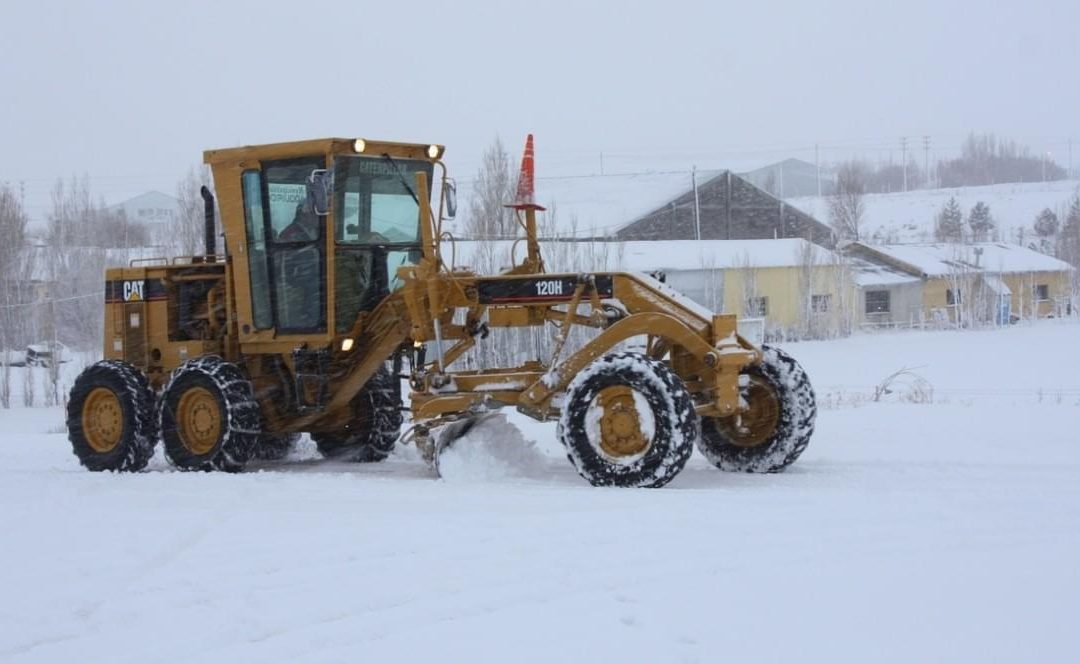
(401,176)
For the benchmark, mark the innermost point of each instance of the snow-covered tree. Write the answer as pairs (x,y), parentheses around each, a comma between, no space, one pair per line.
(949,224)
(493,189)
(847,205)
(1046,229)
(13,222)
(187,238)
(980,222)
(1069,240)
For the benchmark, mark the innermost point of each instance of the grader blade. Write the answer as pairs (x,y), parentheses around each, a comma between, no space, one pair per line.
(449,435)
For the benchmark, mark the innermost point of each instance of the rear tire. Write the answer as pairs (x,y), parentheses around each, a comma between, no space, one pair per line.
(375,427)
(275,447)
(778,425)
(110,417)
(208,416)
(628,421)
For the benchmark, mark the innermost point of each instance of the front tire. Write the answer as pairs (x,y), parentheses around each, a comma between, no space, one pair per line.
(777,426)
(209,417)
(370,435)
(628,421)
(110,417)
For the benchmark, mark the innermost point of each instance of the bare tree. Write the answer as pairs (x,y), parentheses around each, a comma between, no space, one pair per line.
(493,189)
(13,222)
(78,220)
(187,238)
(75,263)
(847,205)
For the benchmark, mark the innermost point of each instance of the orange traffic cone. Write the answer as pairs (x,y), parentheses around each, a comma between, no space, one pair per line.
(525,199)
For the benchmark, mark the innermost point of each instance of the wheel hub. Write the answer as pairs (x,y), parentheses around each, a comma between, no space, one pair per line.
(199,420)
(620,424)
(758,422)
(102,420)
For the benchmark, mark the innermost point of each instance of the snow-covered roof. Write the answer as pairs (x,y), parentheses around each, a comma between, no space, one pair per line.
(869,273)
(940,259)
(598,205)
(996,285)
(645,256)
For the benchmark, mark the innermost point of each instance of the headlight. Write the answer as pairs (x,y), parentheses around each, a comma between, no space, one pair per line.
(434,151)
(359,145)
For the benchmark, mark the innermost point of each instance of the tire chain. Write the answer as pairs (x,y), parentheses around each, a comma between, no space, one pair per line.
(242,414)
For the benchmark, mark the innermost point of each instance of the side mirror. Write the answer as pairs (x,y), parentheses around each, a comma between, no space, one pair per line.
(319,185)
(450,195)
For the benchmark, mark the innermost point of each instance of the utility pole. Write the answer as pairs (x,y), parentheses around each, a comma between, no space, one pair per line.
(817,167)
(926,159)
(697,206)
(903,157)
(601,162)
(1070,159)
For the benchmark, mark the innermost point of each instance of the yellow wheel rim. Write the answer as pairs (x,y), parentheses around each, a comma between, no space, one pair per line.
(621,436)
(102,420)
(758,423)
(198,420)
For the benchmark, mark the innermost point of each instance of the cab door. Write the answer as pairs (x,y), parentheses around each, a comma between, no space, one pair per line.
(286,245)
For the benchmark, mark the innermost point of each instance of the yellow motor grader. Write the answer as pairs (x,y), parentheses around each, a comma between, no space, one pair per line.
(333,279)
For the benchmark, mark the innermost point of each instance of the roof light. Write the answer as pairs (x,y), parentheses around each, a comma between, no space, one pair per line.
(434,151)
(359,145)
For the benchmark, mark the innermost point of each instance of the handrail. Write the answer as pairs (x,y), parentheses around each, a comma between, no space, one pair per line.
(162,259)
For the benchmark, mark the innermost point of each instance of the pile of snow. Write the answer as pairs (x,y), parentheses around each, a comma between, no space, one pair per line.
(493,450)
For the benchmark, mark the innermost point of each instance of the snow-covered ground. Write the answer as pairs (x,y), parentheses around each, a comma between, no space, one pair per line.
(945,531)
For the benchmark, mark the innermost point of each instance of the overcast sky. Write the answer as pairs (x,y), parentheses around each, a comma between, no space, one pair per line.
(130,93)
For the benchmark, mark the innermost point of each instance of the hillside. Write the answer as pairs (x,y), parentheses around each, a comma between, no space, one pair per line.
(909,216)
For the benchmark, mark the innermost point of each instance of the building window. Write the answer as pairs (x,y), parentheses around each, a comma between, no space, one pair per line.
(757,306)
(953,297)
(820,304)
(1041,292)
(877,302)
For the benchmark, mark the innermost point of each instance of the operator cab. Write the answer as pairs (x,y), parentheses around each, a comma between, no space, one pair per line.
(376,227)
(327,225)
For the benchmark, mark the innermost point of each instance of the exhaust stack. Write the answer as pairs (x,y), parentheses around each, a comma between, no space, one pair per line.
(208,213)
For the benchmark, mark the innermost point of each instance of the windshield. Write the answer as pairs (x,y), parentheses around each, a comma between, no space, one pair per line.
(375,200)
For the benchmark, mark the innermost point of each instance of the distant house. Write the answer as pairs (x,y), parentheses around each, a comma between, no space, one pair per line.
(157,211)
(791,285)
(792,177)
(725,207)
(938,283)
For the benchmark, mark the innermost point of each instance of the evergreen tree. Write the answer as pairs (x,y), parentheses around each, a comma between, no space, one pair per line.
(1046,223)
(949,226)
(980,222)
(1046,228)
(1069,241)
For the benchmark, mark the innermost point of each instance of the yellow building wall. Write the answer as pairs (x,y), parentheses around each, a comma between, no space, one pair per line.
(936,297)
(1023,286)
(782,286)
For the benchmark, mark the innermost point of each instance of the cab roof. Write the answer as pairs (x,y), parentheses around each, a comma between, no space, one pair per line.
(295,149)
